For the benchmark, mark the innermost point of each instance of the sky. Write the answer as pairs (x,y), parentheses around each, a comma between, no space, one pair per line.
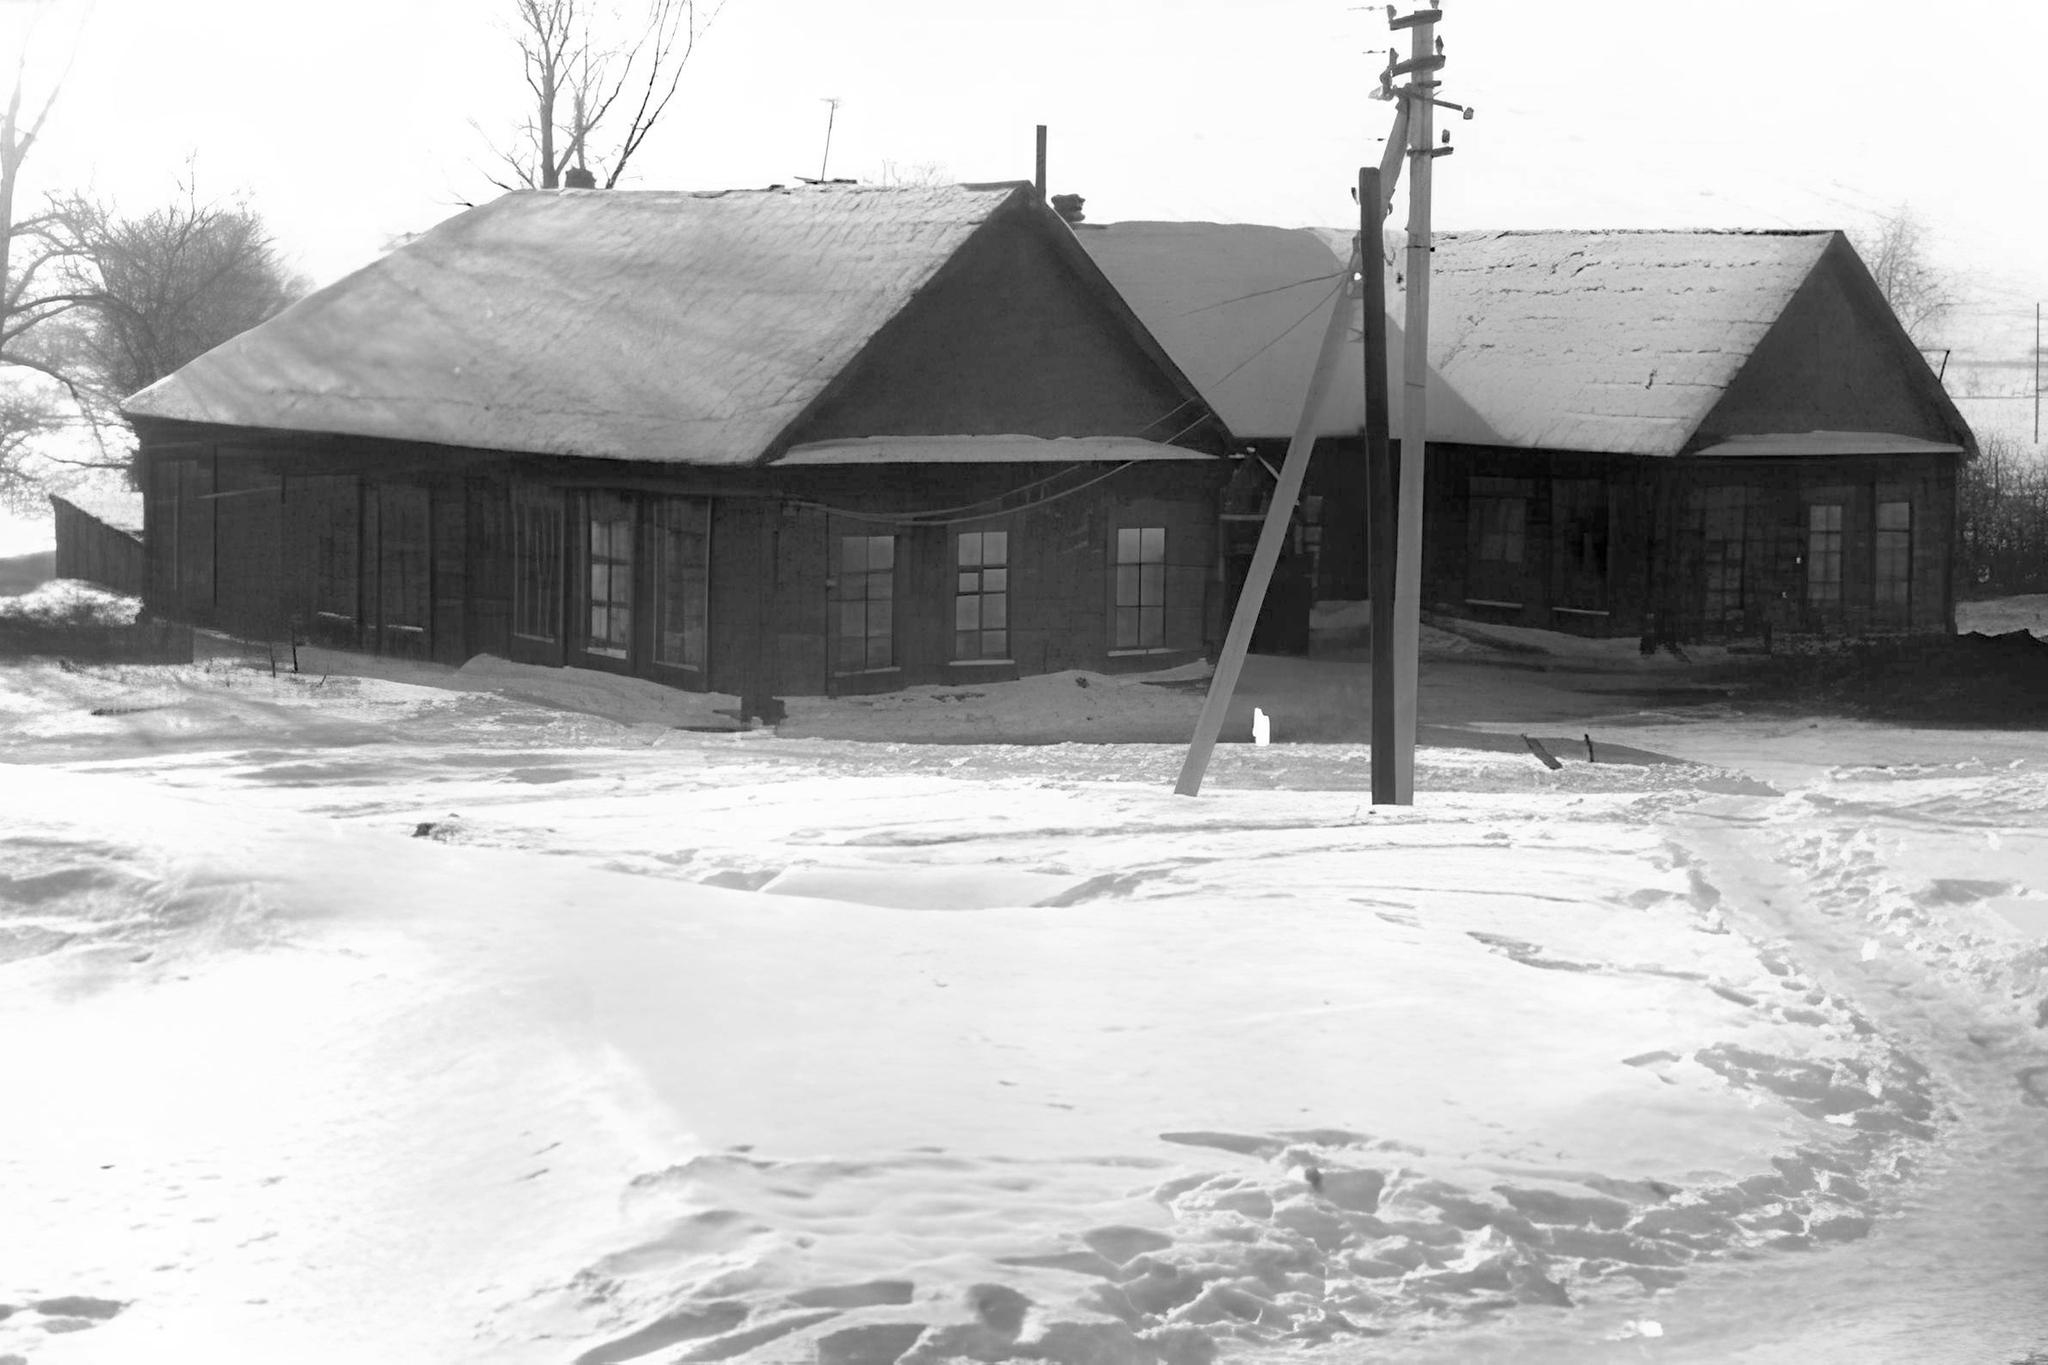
(348,124)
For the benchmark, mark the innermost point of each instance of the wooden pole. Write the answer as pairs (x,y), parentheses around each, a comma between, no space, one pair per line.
(1379,491)
(831,116)
(1039,180)
(1279,513)
(1237,641)
(1414,412)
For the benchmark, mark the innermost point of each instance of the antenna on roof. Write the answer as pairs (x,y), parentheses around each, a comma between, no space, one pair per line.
(831,113)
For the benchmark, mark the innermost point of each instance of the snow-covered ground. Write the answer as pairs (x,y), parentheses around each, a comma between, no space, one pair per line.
(361,1020)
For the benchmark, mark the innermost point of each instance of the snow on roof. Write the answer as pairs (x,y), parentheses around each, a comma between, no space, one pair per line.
(1608,341)
(647,325)
(119,508)
(1602,341)
(1241,308)
(1791,443)
(985,450)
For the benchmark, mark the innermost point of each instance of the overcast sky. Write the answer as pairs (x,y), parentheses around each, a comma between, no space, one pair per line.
(347,123)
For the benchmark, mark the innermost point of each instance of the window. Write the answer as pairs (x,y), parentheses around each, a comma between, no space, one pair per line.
(1141,587)
(333,501)
(609,556)
(981,600)
(1579,508)
(867,594)
(1824,554)
(682,580)
(1500,518)
(1895,556)
(1723,521)
(403,565)
(537,568)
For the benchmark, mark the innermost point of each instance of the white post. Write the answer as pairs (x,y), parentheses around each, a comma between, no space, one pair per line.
(1414,410)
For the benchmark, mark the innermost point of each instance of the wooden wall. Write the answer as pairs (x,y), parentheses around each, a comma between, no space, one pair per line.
(381,552)
(89,549)
(1007,339)
(1658,562)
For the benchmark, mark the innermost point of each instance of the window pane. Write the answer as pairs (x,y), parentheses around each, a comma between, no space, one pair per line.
(969,582)
(881,552)
(1127,543)
(967,613)
(1894,516)
(1127,627)
(1151,627)
(853,620)
(964,644)
(881,586)
(880,620)
(970,549)
(994,609)
(1155,544)
(853,554)
(995,547)
(1152,584)
(995,644)
(852,653)
(995,580)
(1127,585)
(600,580)
(878,652)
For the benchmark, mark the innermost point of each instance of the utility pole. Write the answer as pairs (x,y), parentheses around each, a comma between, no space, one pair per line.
(1382,528)
(1280,511)
(2037,374)
(1425,59)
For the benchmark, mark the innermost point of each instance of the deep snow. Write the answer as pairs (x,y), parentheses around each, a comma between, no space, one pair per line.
(355,1020)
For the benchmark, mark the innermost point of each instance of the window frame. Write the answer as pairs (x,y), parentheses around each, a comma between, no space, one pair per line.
(1893,543)
(1825,546)
(537,578)
(1485,494)
(619,562)
(979,556)
(1138,573)
(695,629)
(854,579)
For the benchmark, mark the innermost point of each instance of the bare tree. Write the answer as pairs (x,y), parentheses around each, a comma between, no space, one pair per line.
(915,175)
(583,79)
(1895,250)
(33,305)
(164,287)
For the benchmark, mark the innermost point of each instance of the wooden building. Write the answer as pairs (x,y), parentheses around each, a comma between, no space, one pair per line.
(782,442)
(99,539)
(1689,435)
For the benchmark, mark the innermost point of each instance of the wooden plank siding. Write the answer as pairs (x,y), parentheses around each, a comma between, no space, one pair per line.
(1697,548)
(395,556)
(91,550)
